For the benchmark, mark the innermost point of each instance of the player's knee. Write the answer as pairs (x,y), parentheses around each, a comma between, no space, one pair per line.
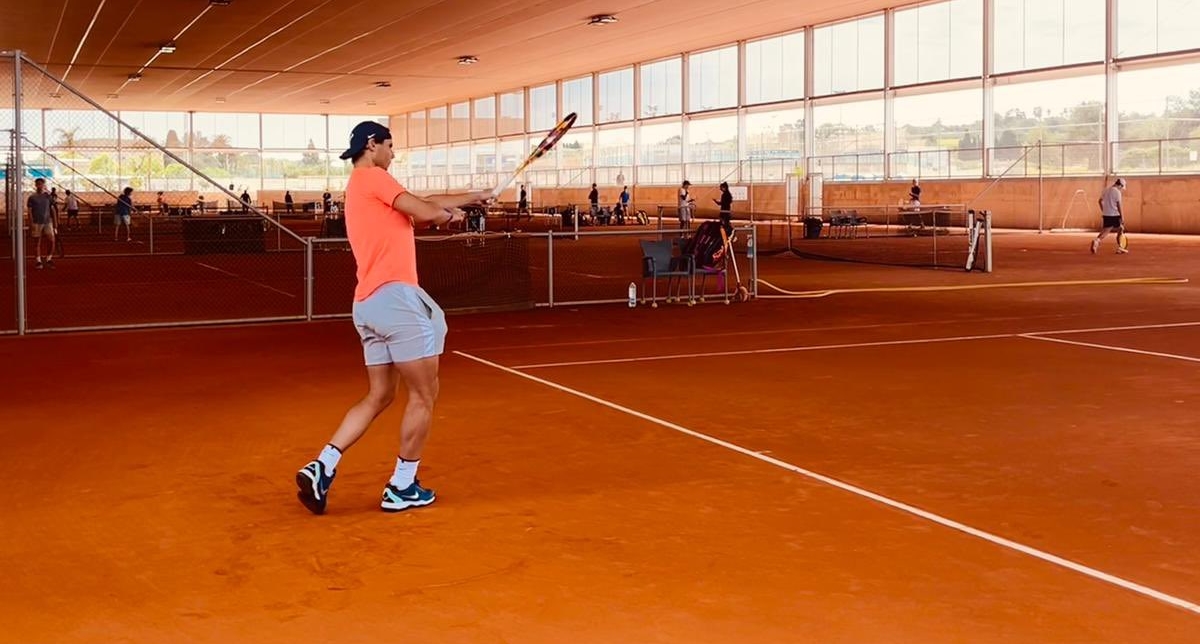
(380,399)
(425,393)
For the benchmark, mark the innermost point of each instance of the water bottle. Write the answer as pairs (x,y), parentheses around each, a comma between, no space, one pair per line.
(750,246)
(632,295)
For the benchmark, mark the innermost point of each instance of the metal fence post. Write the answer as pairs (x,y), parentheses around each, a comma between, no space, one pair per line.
(308,278)
(550,266)
(19,207)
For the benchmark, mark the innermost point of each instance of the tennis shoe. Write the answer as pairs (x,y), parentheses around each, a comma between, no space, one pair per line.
(1122,251)
(313,484)
(413,496)
(1095,246)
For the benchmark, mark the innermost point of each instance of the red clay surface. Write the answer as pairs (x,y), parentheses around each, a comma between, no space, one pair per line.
(150,472)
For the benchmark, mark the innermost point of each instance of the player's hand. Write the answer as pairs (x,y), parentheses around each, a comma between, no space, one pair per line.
(456,215)
(477,197)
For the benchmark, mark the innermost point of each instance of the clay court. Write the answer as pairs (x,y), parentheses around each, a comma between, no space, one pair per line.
(1009,463)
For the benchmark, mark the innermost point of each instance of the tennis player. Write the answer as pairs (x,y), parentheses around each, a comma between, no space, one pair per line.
(1112,213)
(402,329)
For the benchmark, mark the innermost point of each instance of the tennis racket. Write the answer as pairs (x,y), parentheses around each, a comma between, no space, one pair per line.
(545,146)
(1122,239)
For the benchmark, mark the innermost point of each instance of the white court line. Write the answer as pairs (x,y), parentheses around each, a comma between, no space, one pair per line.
(746,352)
(853,489)
(246,279)
(1111,348)
(854,345)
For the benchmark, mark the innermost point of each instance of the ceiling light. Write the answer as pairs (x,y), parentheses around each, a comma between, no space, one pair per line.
(382,84)
(133,78)
(370,103)
(467,60)
(114,96)
(167,48)
(219,3)
(56,95)
(324,101)
(602,19)
(220,99)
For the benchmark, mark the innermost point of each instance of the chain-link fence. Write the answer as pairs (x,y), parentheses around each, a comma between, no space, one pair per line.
(138,236)
(10,207)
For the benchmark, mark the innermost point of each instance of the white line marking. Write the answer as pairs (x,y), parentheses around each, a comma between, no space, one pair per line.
(246,279)
(963,287)
(853,489)
(1111,348)
(855,345)
(745,352)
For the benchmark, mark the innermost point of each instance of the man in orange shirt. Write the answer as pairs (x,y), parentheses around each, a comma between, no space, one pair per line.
(403,330)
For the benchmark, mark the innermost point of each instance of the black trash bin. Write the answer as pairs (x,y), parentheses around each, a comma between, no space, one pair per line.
(812,227)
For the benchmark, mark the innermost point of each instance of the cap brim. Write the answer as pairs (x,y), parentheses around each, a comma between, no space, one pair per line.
(349,153)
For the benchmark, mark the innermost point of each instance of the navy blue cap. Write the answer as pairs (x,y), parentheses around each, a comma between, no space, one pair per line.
(362,134)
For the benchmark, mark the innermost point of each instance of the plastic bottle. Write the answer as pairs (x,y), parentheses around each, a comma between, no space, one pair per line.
(750,246)
(632,295)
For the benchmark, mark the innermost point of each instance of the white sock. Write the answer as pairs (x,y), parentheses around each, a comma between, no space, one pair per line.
(329,457)
(405,474)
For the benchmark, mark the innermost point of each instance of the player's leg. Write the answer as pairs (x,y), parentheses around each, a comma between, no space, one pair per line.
(404,490)
(314,479)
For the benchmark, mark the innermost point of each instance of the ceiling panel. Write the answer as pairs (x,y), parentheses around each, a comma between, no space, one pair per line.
(326,55)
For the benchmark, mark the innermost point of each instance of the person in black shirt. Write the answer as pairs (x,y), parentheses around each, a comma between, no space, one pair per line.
(726,206)
(523,201)
(594,198)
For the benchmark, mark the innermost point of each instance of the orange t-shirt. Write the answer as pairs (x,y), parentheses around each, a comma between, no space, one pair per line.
(381,237)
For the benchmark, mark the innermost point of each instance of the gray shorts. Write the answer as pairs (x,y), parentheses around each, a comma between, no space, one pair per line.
(399,323)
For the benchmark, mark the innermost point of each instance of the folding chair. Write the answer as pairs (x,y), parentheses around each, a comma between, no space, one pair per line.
(658,261)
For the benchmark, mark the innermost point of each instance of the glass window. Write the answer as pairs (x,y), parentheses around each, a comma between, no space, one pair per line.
(1032,34)
(1161,103)
(168,129)
(512,113)
(437,125)
(295,170)
(662,88)
(460,159)
(512,153)
(661,143)
(294,131)
(848,56)
(577,97)
(398,124)
(775,135)
(79,128)
(712,139)
(712,79)
(937,42)
(225,130)
(575,158)
(460,121)
(616,96)
(1156,26)
(775,69)
(484,125)
(484,157)
(543,110)
(416,129)
(437,161)
(774,143)
(614,148)
(848,128)
(938,134)
(1054,111)
(31,123)
(418,159)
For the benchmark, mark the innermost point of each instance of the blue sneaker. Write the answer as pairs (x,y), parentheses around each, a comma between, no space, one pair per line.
(313,483)
(413,496)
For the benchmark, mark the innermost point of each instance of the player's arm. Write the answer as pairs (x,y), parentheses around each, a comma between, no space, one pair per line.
(426,210)
(460,200)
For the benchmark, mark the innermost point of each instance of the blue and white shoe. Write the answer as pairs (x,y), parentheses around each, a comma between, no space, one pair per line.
(413,496)
(313,483)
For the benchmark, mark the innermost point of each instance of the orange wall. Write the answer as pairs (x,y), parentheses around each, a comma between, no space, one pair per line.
(1152,204)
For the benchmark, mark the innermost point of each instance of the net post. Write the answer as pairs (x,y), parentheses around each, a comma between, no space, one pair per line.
(308,278)
(151,218)
(987,229)
(754,260)
(19,207)
(550,266)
